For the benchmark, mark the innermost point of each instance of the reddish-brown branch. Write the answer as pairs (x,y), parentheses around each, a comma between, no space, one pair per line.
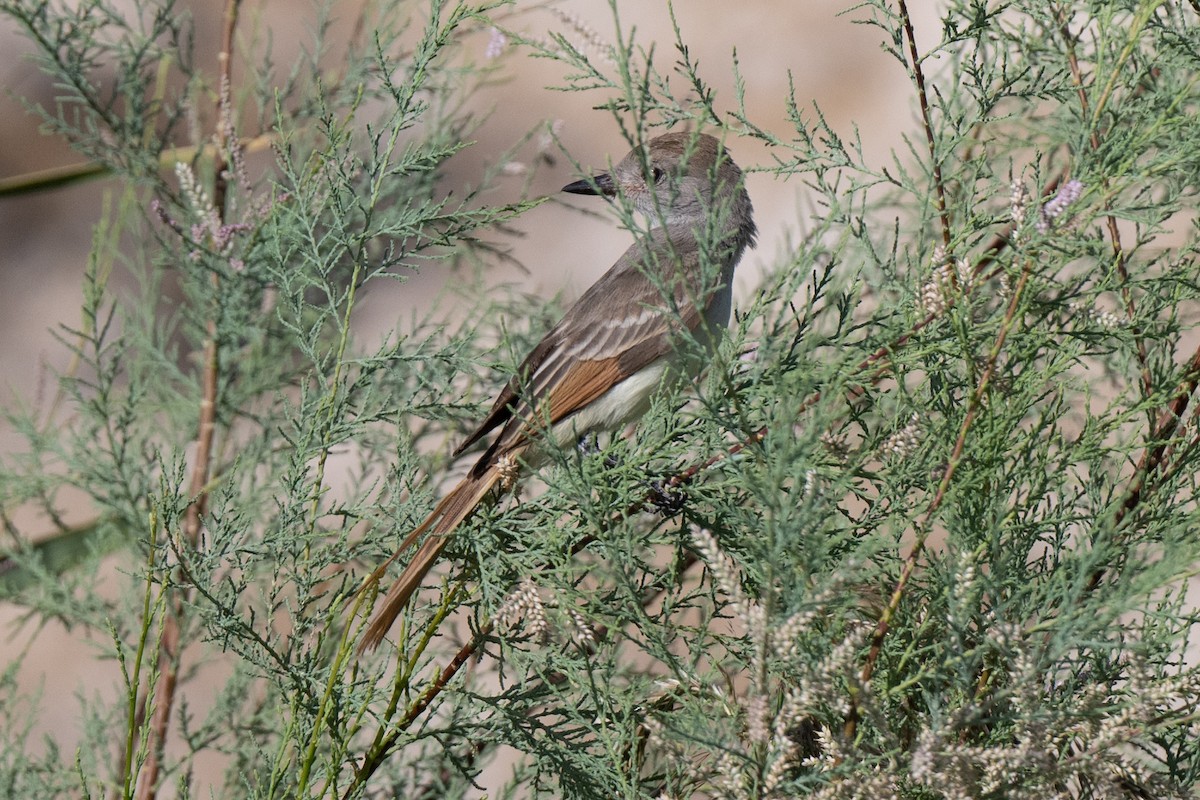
(169,650)
(383,749)
(1155,458)
(939,186)
(924,527)
(1169,419)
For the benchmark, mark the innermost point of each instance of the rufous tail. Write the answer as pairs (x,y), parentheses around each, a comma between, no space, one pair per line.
(456,506)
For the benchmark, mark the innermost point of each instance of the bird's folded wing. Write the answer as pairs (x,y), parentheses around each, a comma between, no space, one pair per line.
(621,325)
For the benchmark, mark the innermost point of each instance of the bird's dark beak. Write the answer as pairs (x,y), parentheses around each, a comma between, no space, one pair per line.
(598,184)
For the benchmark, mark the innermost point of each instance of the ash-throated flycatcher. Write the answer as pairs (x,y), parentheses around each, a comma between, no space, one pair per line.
(598,367)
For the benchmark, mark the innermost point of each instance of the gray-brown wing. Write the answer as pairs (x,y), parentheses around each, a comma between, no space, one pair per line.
(619,326)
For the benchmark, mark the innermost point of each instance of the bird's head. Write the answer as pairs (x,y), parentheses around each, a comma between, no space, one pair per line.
(680,179)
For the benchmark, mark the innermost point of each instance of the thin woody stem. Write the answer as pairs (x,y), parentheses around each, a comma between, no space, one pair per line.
(939,186)
(169,650)
(1114,233)
(884,624)
(385,742)
(1155,458)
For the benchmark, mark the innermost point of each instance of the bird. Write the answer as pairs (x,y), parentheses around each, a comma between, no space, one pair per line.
(599,367)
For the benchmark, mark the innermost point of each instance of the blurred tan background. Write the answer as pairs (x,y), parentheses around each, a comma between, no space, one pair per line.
(45,238)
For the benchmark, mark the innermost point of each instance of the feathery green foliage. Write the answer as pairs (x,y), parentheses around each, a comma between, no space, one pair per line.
(925,529)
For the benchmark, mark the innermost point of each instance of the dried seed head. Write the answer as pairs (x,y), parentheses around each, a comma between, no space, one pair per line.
(508,470)
(523,609)
(903,442)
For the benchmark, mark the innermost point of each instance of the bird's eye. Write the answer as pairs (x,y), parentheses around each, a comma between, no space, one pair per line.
(657,174)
